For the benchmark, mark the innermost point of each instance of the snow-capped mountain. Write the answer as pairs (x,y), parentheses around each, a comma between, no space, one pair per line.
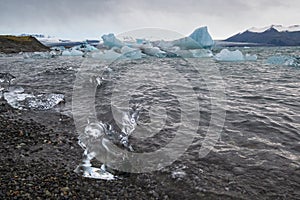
(274,35)
(279,28)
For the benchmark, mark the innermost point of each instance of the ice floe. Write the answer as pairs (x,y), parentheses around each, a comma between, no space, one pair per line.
(234,56)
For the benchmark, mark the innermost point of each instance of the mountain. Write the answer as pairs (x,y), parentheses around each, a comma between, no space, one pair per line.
(274,35)
(15,44)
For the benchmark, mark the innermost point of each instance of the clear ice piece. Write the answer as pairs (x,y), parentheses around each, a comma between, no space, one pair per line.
(85,169)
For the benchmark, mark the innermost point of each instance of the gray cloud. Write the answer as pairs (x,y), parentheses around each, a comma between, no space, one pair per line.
(91,18)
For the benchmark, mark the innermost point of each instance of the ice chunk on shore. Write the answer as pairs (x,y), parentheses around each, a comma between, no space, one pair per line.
(14,98)
(200,38)
(44,101)
(234,56)
(20,100)
(111,41)
(284,60)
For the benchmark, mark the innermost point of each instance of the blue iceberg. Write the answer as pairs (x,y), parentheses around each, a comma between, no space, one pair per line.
(200,38)
(111,41)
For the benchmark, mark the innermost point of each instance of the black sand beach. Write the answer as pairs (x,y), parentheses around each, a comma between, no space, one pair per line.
(39,152)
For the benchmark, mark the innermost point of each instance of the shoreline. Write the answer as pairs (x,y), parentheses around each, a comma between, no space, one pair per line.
(39,152)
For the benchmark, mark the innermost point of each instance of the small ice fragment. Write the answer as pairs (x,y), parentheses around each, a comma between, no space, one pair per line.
(178,174)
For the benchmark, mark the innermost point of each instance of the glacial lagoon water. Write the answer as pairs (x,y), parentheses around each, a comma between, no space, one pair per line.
(260,137)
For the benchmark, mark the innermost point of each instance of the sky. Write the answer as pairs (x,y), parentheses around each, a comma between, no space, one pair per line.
(89,19)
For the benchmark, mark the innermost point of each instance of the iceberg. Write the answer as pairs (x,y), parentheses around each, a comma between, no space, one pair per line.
(153,51)
(234,56)
(85,48)
(106,55)
(200,38)
(57,51)
(227,55)
(284,60)
(192,53)
(115,53)
(132,53)
(111,41)
(249,57)
(72,52)
(58,48)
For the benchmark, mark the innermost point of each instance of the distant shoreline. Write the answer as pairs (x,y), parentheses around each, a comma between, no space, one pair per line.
(16,44)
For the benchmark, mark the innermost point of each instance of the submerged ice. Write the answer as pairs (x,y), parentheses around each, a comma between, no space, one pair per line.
(284,60)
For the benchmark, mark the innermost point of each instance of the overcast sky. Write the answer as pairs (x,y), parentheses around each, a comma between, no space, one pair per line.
(82,19)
